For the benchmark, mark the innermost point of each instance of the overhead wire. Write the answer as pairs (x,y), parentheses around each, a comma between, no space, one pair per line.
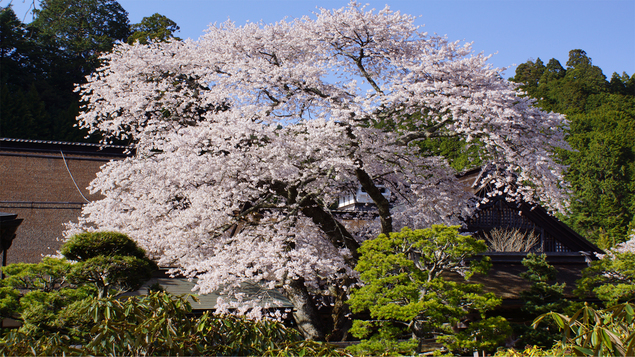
(72,178)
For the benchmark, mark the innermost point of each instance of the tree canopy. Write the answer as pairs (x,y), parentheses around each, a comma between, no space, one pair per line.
(246,137)
(405,292)
(43,61)
(602,132)
(153,28)
(47,297)
(612,277)
(80,30)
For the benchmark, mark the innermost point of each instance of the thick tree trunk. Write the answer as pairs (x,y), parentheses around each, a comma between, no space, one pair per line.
(339,236)
(305,314)
(383,205)
(340,314)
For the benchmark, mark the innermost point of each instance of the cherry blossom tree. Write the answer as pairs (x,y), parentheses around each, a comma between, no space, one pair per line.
(246,137)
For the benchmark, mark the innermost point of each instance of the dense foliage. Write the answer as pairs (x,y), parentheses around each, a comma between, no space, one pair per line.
(109,261)
(590,332)
(154,28)
(75,308)
(247,137)
(87,245)
(602,133)
(406,288)
(46,297)
(43,61)
(163,325)
(544,295)
(612,278)
(43,292)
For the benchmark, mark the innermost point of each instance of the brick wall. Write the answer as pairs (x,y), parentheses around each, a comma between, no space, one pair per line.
(36,184)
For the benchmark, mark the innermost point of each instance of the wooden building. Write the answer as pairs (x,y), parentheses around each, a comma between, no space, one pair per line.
(565,249)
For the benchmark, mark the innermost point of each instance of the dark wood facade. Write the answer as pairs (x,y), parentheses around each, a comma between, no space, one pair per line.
(554,236)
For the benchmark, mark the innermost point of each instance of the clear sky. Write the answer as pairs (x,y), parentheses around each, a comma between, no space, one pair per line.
(513,30)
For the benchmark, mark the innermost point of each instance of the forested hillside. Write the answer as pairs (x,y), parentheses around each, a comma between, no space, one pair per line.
(601,113)
(41,62)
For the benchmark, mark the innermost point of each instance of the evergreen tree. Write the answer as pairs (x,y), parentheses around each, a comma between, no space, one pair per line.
(602,134)
(79,31)
(42,62)
(153,28)
(406,292)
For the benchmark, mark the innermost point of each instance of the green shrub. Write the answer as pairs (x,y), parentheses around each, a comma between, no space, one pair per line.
(46,296)
(9,302)
(612,278)
(408,297)
(590,332)
(88,245)
(110,261)
(534,351)
(544,295)
(384,347)
(162,324)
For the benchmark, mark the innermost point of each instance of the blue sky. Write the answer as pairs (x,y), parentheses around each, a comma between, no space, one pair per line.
(514,30)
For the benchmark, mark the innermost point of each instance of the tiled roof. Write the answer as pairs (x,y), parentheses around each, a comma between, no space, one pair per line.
(51,146)
(179,286)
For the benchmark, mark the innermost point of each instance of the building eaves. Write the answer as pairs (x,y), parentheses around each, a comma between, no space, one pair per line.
(50,146)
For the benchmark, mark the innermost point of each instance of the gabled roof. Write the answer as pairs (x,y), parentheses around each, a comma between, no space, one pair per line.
(556,228)
(522,216)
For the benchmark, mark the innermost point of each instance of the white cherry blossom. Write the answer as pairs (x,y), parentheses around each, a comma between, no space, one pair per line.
(245,139)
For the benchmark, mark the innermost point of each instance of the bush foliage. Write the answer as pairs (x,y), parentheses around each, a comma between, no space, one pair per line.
(160,324)
(407,296)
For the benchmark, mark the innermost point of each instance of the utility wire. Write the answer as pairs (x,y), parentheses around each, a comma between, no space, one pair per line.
(72,178)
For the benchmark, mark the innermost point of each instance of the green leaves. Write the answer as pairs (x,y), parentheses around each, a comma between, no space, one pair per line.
(61,317)
(602,136)
(153,28)
(82,28)
(542,296)
(53,293)
(88,245)
(43,61)
(486,334)
(406,289)
(116,273)
(162,324)
(590,332)
(110,261)
(8,301)
(610,279)
(48,275)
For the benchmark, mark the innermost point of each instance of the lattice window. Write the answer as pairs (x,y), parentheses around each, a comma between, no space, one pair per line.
(499,214)
(550,244)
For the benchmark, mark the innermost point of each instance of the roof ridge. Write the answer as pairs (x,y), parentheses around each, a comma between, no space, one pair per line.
(72,143)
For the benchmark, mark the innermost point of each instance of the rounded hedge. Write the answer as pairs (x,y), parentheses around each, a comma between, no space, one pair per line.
(88,245)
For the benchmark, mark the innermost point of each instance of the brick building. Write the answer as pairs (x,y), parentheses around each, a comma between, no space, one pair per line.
(45,184)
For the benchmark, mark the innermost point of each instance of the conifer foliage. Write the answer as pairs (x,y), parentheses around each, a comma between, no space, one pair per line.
(602,132)
(408,292)
(42,62)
